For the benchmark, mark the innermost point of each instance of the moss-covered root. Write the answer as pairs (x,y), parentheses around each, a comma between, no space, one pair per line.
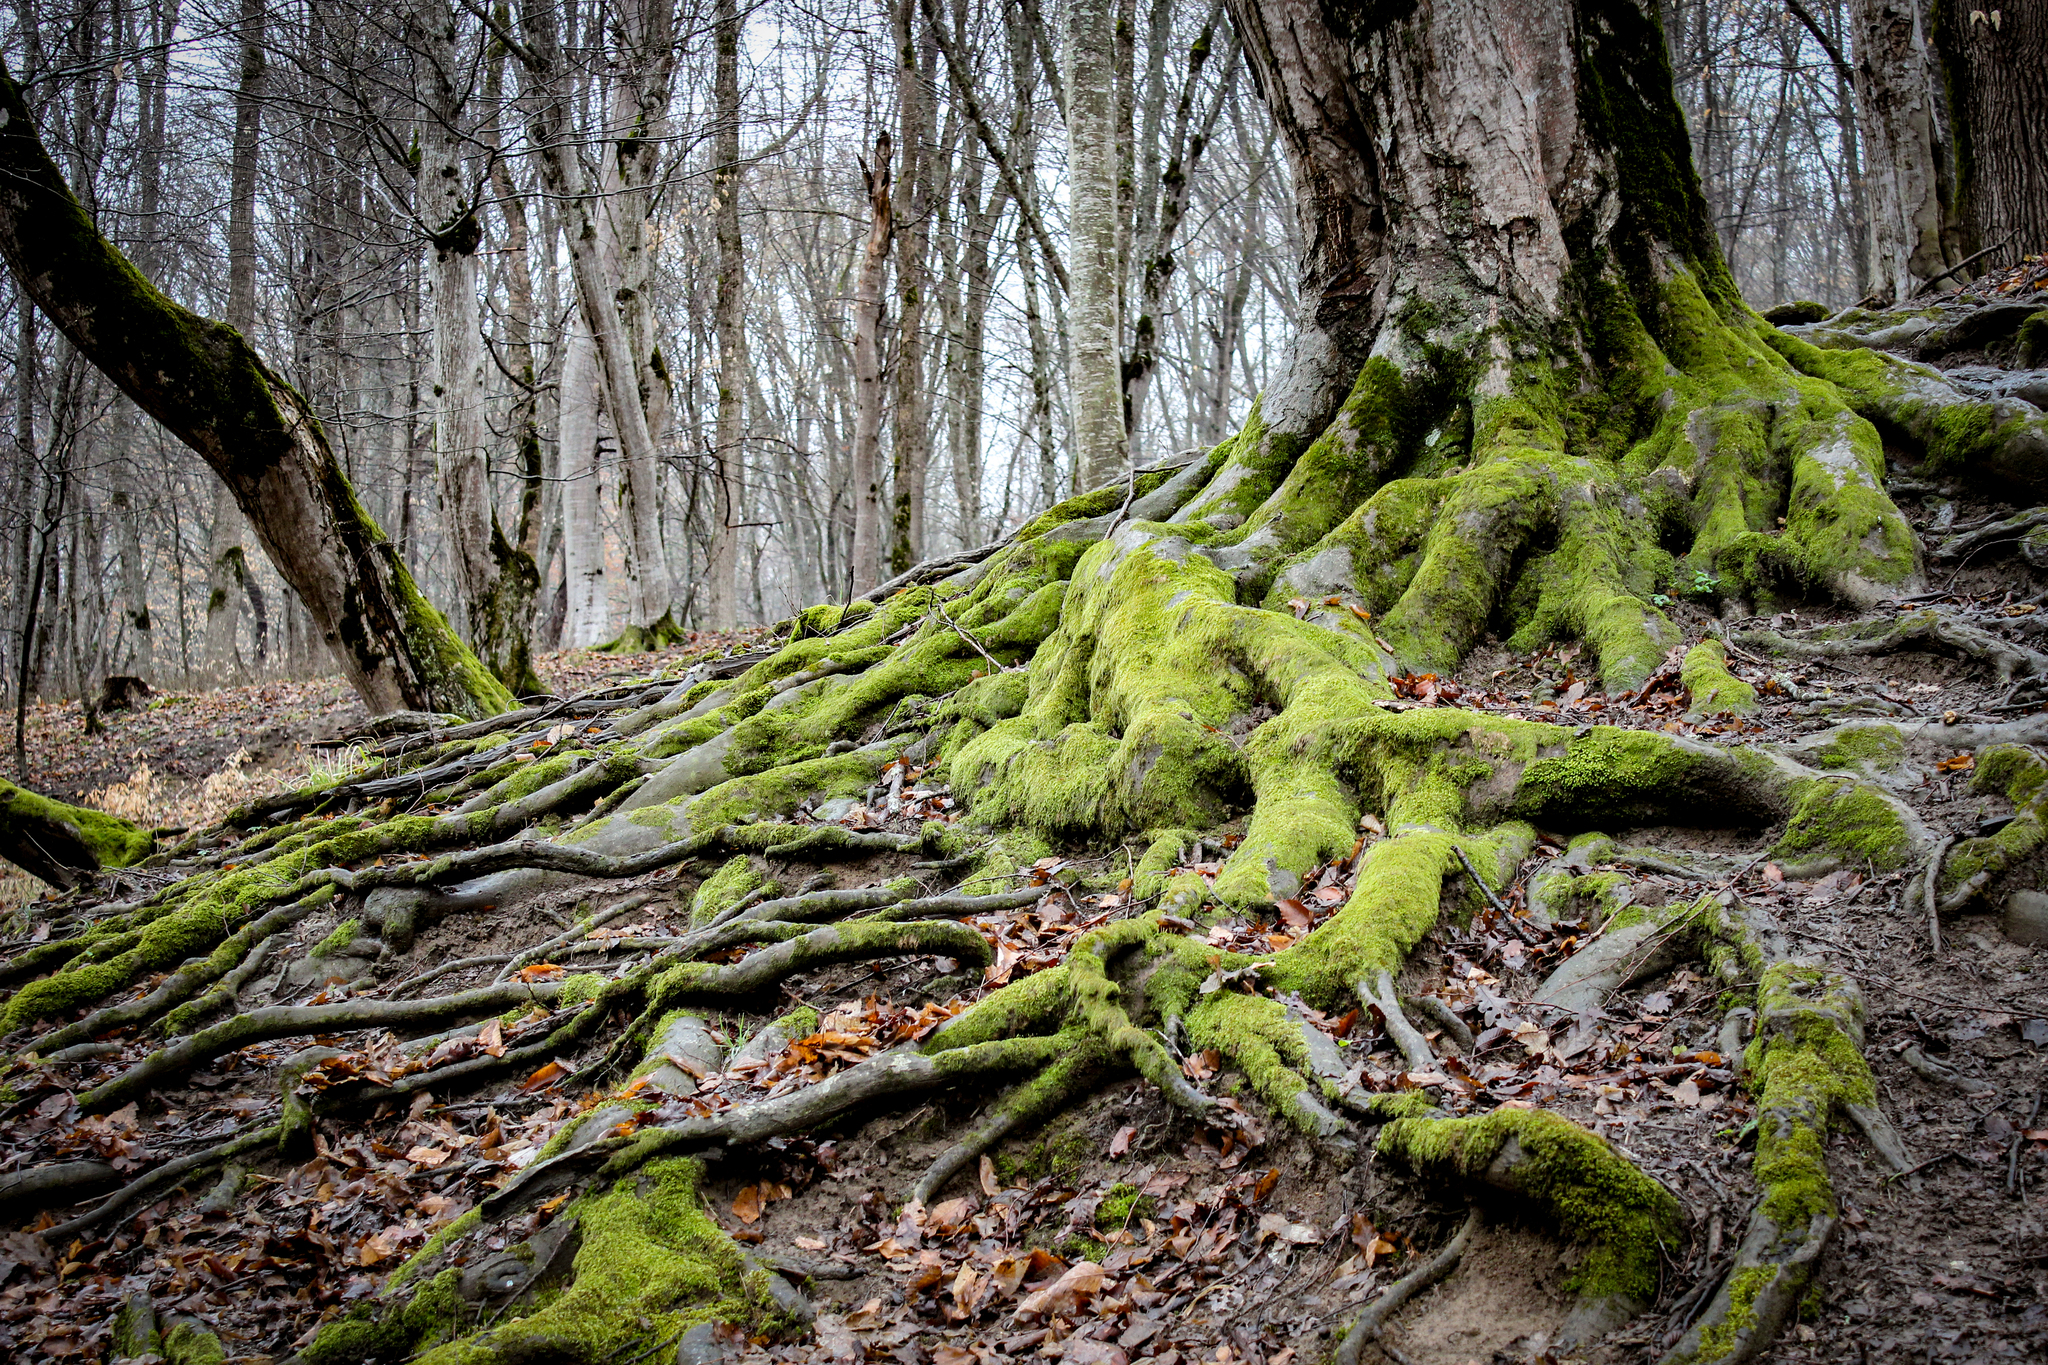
(1712,689)
(2013,856)
(1639,943)
(1038,1098)
(635,1259)
(65,845)
(1598,1199)
(1805,1066)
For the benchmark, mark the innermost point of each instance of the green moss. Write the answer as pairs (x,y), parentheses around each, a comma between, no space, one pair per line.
(187,1342)
(1875,746)
(1713,689)
(112,841)
(1841,819)
(724,889)
(343,935)
(1597,1196)
(1123,1204)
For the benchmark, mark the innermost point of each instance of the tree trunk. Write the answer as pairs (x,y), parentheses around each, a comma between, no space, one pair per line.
(1094,267)
(728,319)
(65,845)
(227,560)
(868,505)
(1914,227)
(1996,64)
(910,427)
(203,382)
(582,473)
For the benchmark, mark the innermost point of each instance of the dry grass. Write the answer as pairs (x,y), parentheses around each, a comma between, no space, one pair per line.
(146,800)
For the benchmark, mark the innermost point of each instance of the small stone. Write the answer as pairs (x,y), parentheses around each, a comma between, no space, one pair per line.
(837,809)
(703,1344)
(2026,917)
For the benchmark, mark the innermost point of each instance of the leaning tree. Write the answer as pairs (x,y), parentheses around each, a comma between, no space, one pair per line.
(206,384)
(1525,399)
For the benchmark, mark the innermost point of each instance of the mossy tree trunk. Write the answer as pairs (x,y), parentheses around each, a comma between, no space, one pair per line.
(65,845)
(205,383)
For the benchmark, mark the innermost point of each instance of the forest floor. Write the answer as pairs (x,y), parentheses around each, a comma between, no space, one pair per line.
(1124,1230)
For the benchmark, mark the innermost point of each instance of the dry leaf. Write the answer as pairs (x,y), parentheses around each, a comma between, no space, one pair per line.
(429,1157)
(990,1186)
(810,1244)
(543,1078)
(747,1206)
(1275,1225)
(1121,1143)
(491,1038)
(1083,1281)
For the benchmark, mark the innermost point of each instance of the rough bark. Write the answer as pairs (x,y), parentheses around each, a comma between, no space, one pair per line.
(62,844)
(1915,230)
(204,383)
(869,529)
(1995,60)
(728,317)
(910,441)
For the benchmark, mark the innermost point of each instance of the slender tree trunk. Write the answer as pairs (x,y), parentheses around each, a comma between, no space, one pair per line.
(868,305)
(1094,319)
(911,437)
(1996,62)
(728,468)
(227,560)
(582,472)
(203,381)
(597,288)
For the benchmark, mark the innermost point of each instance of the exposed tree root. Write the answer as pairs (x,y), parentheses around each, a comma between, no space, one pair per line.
(1365,1328)
(1926,625)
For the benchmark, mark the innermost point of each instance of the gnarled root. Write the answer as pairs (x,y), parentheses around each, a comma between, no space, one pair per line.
(1880,635)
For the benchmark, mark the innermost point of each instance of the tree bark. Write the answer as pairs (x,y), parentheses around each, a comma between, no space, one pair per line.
(62,844)
(1094,316)
(1915,230)
(590,223)
(728,312)
(910,427)
(1996,63)
(203,382)
(582,474)
(868,305)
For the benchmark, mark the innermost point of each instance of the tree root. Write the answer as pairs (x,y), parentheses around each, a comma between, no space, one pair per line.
(1596,1196)
(1999,532)
(1415,1049)
(161,1180)
(1879,635)
(1036,1099)
(1365,1328)
(288,1021)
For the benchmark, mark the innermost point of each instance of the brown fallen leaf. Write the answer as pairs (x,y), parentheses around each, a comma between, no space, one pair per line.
(810,1244)
(491,1038)
(747,1205)
(1276,1225)
(543,1078)
(428,1157)
(990,1186)
(1082,1281)
(1121,1143)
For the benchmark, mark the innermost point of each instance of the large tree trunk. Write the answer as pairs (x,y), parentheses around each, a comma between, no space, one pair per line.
(582,475)
(1996,63)
(1916,233)
(910,426)
(203,382)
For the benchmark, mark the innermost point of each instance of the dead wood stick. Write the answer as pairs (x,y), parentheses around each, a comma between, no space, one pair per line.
(1366,1326)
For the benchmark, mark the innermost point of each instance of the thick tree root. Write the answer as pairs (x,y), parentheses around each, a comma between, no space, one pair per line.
(1596,1197)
